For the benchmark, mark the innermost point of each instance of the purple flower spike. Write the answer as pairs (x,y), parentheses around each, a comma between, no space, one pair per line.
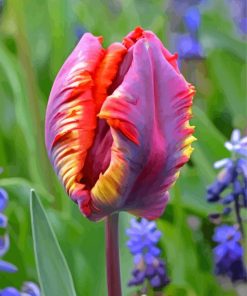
(3,199)
(230,190)
(144,237)
(230,187)
(30,289)
(10,292)
(7,267)
(192,19)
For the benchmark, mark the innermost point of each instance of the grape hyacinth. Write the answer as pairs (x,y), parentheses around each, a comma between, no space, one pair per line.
(230,190)
(28,288)
(228,254)
(188,44)
(230,186)
(142,243)
(4,239)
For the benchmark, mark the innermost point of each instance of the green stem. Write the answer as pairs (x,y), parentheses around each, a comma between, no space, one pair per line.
(112,256)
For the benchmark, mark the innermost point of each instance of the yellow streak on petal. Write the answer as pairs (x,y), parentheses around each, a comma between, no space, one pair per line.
(189,140)
(187,151)
(107,188)
(186,145)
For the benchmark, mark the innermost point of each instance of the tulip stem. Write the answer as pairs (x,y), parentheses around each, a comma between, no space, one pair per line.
(112,256)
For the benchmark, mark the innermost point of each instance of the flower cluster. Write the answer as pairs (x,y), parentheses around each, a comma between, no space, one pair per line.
(228,254)
(188,45)
(230,190)
(142,243)
(4,240)
(230,187)
(28,288)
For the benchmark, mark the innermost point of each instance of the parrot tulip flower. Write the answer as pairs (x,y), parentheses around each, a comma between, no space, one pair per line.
(117,130)
(117,125)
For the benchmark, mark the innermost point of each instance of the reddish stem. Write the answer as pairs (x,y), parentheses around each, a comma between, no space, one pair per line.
(112,256)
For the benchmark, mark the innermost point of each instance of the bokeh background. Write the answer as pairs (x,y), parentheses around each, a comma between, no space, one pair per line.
(35,38)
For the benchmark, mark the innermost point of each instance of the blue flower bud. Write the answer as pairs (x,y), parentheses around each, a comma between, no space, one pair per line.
(213,197)
(215,218)
(7,267)
(192,19)
(228,199)
(226,211)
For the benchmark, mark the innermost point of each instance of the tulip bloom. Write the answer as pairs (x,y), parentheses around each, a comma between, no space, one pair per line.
(117,125)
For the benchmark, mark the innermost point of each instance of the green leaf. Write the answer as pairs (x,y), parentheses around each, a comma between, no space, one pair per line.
(54,275)
(231,85)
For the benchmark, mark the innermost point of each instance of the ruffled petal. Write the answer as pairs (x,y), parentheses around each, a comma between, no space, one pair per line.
(71,115)
(148,114)
(72,128)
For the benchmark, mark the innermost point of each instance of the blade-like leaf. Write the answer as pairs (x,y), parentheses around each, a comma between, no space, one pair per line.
(54,275)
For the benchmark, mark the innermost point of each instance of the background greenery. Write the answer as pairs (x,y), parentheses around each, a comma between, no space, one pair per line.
(35,38)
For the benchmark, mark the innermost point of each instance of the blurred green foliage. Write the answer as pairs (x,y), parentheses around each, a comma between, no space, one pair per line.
(35,38)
